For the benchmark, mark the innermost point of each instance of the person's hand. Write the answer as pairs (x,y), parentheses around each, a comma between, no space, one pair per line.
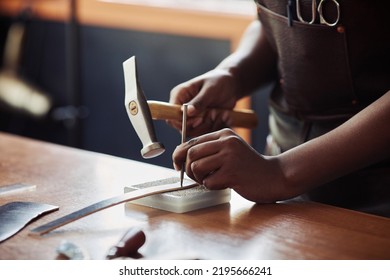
(214,89)
(222,159)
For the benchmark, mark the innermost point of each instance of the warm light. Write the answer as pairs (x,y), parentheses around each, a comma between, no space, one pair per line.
(21,96)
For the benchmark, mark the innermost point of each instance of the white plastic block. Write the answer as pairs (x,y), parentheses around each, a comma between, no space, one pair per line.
(180,201)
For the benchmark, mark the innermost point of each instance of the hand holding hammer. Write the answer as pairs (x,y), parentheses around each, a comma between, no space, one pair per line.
(142,112)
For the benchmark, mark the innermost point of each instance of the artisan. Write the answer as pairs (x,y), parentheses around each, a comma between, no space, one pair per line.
(329,139)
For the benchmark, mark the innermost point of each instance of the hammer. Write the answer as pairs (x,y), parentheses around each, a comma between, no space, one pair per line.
(142,112)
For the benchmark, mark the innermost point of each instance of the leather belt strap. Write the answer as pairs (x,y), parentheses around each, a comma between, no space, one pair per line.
(109,203)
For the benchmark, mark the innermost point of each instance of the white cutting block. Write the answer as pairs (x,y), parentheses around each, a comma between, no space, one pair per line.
(180,201)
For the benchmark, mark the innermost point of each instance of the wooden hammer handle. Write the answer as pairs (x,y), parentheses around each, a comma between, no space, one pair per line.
(166,111)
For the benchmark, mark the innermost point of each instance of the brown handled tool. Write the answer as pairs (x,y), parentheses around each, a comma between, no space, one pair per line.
(166,111)
(128,245)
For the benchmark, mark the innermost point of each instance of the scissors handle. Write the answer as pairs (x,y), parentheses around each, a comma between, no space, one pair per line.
(313,12)
(321,13)
(320,10)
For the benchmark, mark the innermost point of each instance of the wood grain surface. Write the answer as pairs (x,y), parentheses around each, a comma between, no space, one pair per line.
(72,179)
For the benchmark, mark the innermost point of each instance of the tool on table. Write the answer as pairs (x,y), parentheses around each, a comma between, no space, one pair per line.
(183,138)
(128,245)
(72,251)
(104,204)
(320,10)
(14,216)
(15,188)
(142,112)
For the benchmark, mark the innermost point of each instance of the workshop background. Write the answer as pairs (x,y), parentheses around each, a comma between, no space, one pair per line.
(71,54)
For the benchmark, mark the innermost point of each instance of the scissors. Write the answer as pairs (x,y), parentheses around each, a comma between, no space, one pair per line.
(320,12)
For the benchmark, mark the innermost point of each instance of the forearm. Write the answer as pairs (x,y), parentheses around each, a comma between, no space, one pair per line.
(361,141)
(254,62)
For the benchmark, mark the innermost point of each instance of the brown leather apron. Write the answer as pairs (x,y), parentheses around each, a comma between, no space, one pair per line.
(326,75)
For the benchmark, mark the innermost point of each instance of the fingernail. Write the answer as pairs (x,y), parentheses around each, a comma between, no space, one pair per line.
(191,110)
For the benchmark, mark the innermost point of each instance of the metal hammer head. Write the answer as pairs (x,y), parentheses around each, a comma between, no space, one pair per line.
(139,113)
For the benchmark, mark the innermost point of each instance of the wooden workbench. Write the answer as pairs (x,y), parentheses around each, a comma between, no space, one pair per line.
(72,179)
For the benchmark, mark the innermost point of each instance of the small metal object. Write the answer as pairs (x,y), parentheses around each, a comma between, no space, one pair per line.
(183,139)
(139,112)
(320,10)
(104,204)
(72,251)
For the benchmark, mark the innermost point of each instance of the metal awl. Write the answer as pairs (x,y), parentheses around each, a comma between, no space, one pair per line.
(183,139)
